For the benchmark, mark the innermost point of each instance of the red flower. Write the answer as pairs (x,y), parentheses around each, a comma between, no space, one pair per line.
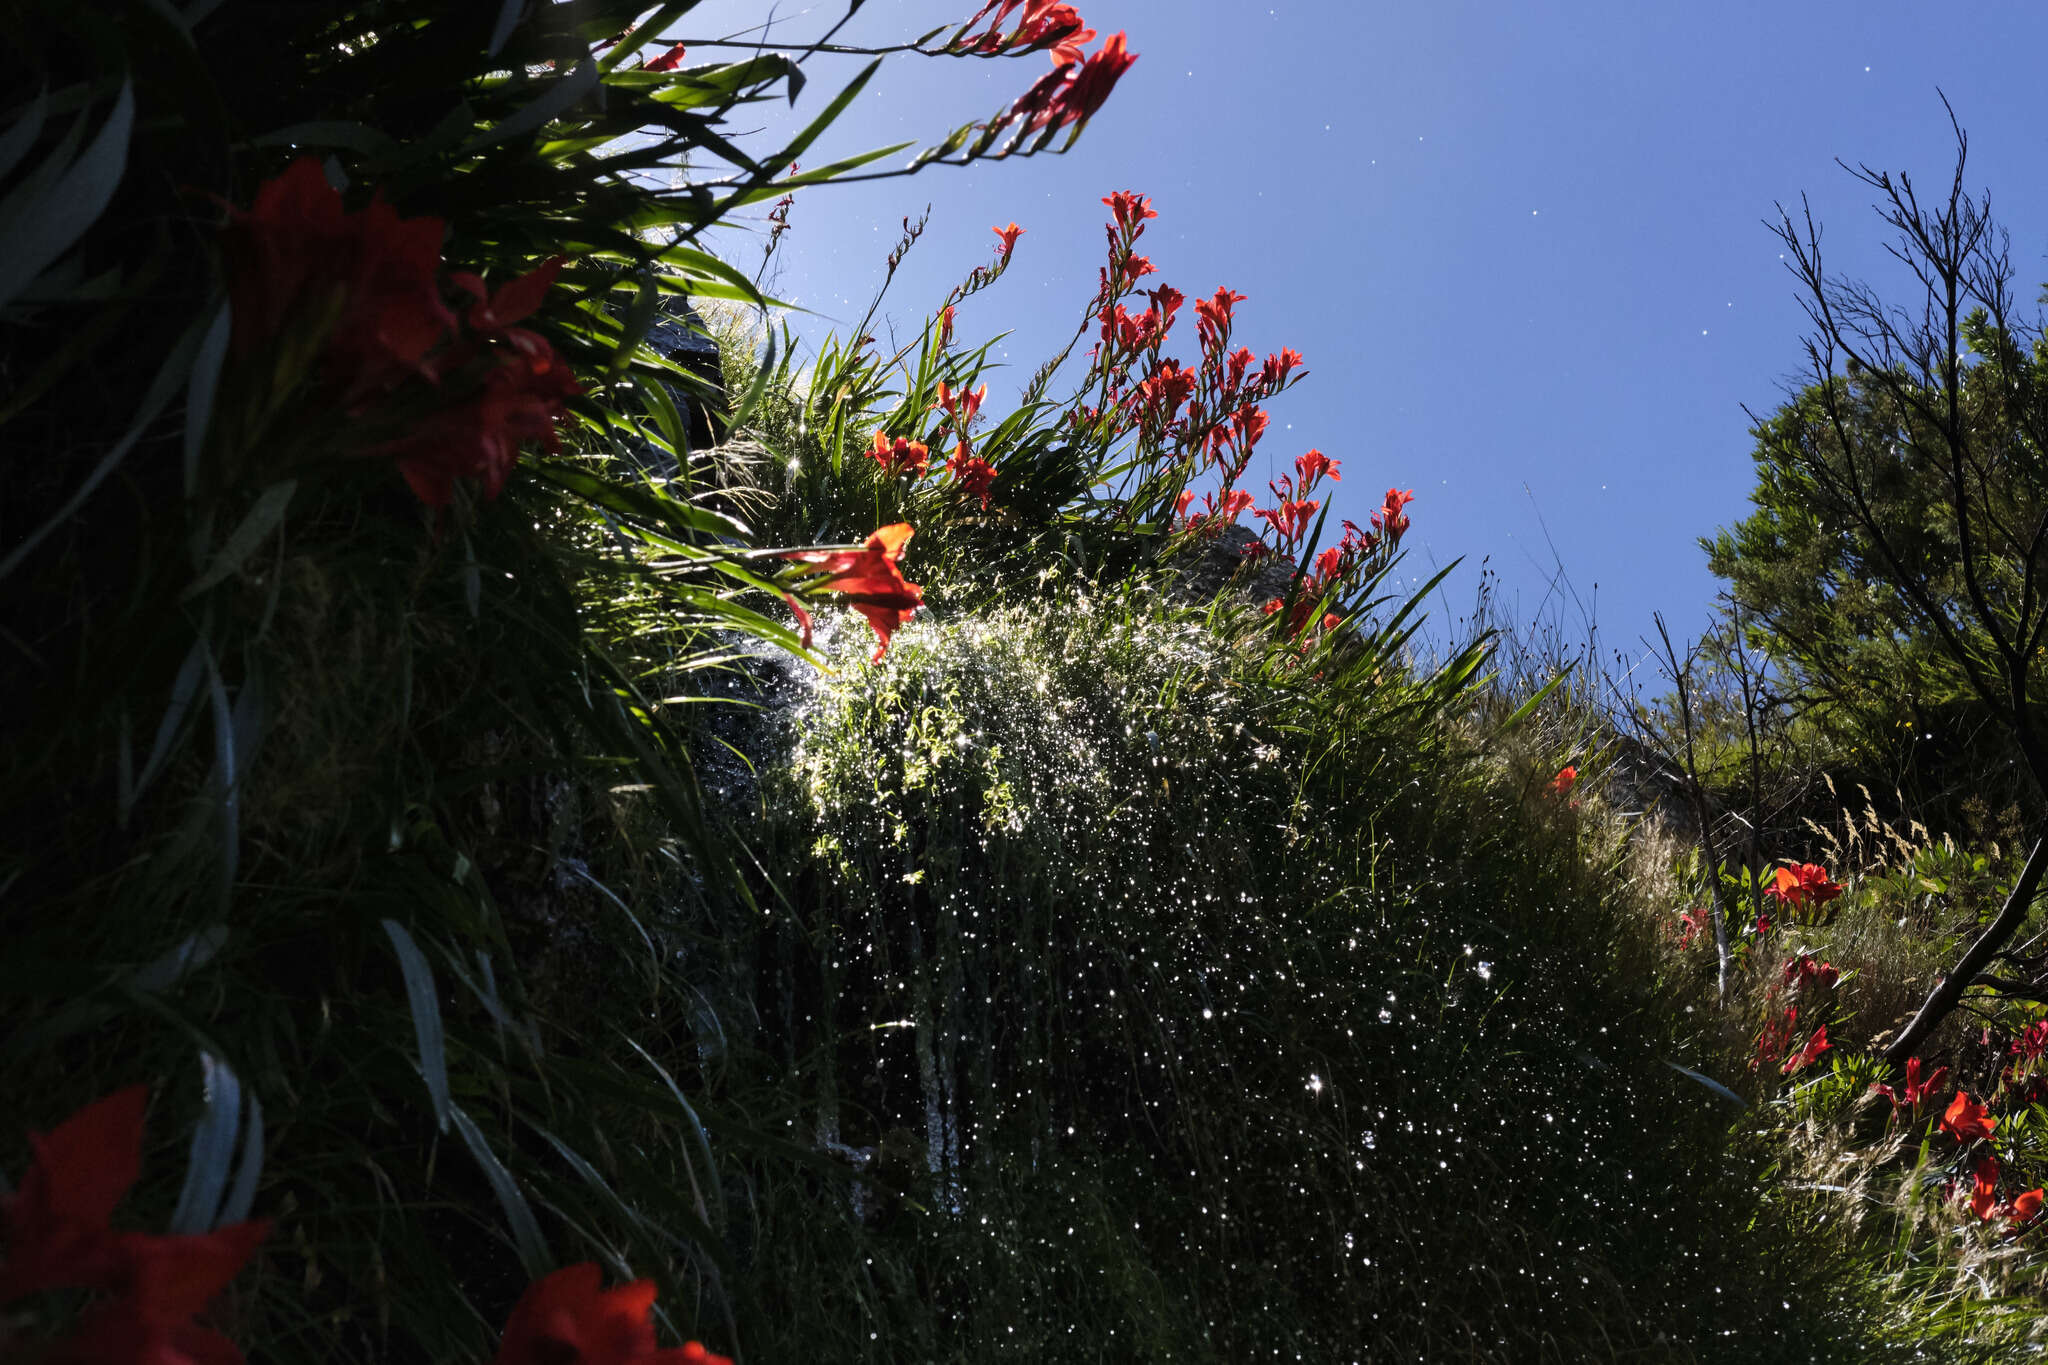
(1984,1188)
(1331,620)
(570,1318)
(1278,367)
(1802,969)
(1691,923)
(1567,778)
(667,61)
(1273,604)
(2027,1207)
(975,475)
(961,405)
(870,581)
(1096,78)
(901,456)
(166,1282)
(1916,1091)
(1009,235)
(1802,885)
(1390,518)
(59,1238)
(295,257)
(57,1233)
(1966,1119)
(1212,316)
(521,398)
(1130,210)
(946,325)
(1809,1054)
(1315,467)
(495,311)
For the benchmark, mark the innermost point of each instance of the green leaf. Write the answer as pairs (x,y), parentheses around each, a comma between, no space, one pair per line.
(37,225)
(426,1018)
(558,99)
(213,1150)
(255,527)
(526,1238)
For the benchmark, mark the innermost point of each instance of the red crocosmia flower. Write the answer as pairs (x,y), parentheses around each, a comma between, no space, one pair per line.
(57,1233)
(1809,1054)
(570,1318)
(1331,620)
(1329,564)
(667,61)
(1561,785)
(946,325)
(870,581)
(1691,924)
(1984,1188)
(1967,1120)
(1009,235)
(1272,605)
(2027,1207)
(900,456)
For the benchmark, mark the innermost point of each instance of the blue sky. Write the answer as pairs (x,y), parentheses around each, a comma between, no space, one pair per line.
(1521,246)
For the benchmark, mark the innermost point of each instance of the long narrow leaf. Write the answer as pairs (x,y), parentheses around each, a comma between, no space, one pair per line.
(426,1018)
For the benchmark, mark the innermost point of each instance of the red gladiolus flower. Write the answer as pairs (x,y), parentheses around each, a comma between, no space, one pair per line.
(900,456)
(57,1233)
(570,1318)
(946,325)
(1984,1188)
(1809,1054)
(2027,1207)
(1331,620)
(1691,923)
(1967,1120)
(667,61)
(1272,605)
(1009,235)
(870,581)
(1567,778)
